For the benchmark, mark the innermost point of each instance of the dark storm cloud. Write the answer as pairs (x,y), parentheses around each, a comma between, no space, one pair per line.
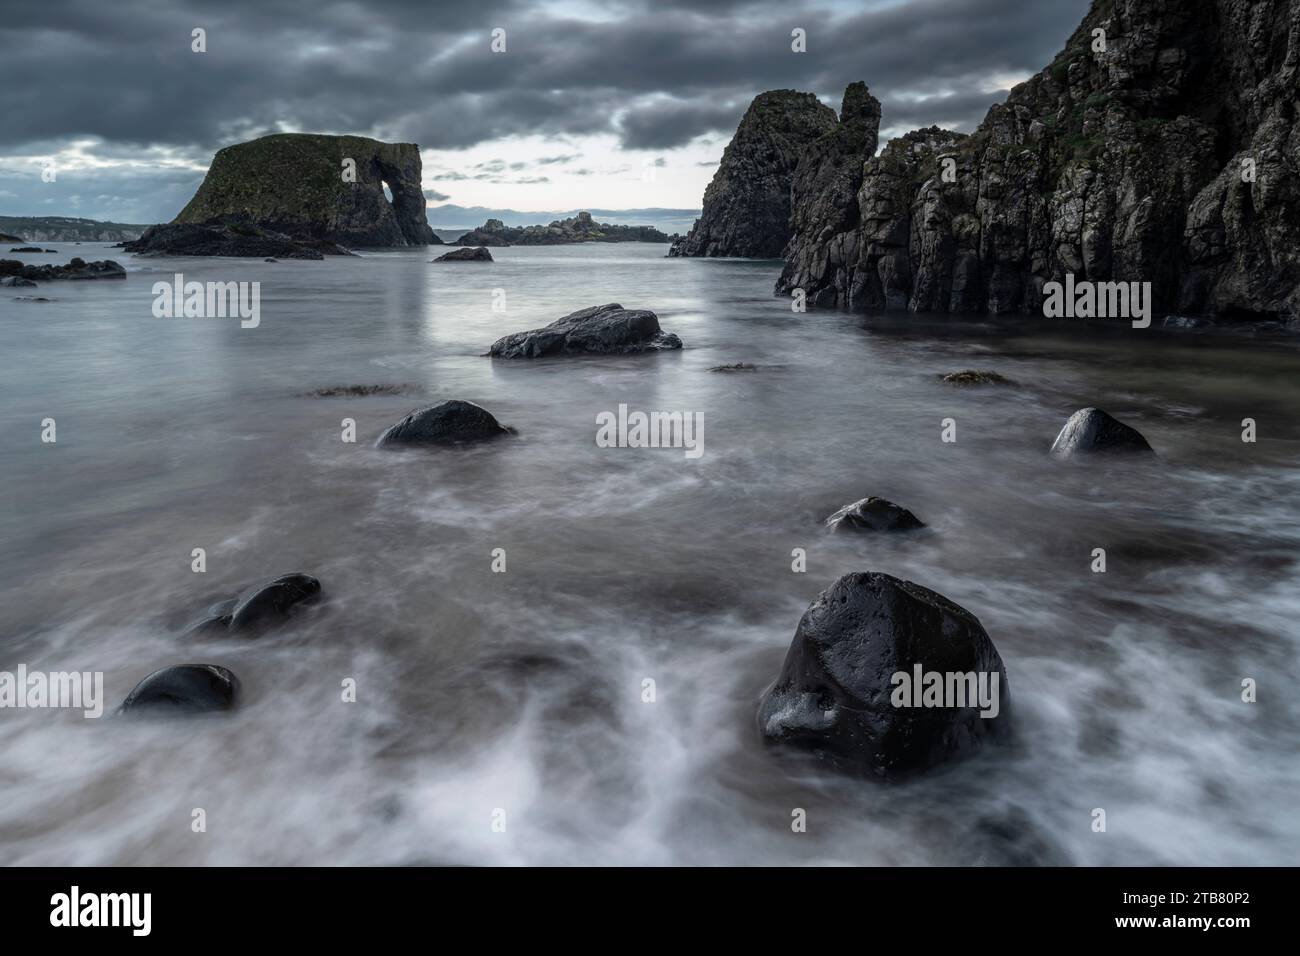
(126,71)
(653,74)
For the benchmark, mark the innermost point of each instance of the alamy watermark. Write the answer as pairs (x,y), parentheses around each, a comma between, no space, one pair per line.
(1098,300)
(626,429)
(922,688)
(79,690)
(208,300)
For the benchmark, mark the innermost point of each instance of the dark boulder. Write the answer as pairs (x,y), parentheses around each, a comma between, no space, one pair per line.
(841,692)
(215,620)
(272,602)
(185,689)
(16,282)
(601,329)
(1090,430)
(75,269)
(873,514)
(477,254)
(447,423)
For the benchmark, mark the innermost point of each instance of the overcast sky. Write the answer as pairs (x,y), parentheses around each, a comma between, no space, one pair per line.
(603,103)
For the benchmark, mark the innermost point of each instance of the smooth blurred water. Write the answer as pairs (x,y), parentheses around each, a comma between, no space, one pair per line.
(522,691)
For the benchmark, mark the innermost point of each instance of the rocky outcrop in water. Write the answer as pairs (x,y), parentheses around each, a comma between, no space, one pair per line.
(579,228)
(448,423)
(601,329)
(857,686)
(75,269)
(184,689)
(747,203)
(1092,431)
(317,188)
(477,254)
(233,240)
(1171,156)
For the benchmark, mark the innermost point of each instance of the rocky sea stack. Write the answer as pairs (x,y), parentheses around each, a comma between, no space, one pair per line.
(856,687)
(315,189)
(1167,157)
(747,204)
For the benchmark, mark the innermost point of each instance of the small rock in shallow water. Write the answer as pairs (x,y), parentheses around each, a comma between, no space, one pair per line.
(15,282)
(272,602)
(885,677)
(1090,430)
(972,376)
(185,689)
(735,367)
(873,514)
(447,423)
(601,329)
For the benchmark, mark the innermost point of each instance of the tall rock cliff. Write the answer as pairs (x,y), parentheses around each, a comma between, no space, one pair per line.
(1164,148)
(747,204)
(295,184)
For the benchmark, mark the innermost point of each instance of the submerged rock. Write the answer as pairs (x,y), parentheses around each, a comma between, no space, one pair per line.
(1090,430)
(447,423)
(842,694)
(601,329)
(273,601)
(477,254)
(735,367)
(747,204)
(17,282)
(75,269)
(185,689)
(29,249)
(873,514)
(972,376)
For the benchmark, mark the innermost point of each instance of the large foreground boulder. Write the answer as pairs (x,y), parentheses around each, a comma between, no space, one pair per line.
(601,329)
(873,514)
(185,689)
(447,423)
(1092,431)
(884,678)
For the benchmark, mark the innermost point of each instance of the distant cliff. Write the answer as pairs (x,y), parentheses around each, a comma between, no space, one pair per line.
(747,204)
(1164,148)
(580,228)
(67,229)
(302,185)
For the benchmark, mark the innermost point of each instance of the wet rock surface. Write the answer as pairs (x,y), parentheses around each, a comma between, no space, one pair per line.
(601,329)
